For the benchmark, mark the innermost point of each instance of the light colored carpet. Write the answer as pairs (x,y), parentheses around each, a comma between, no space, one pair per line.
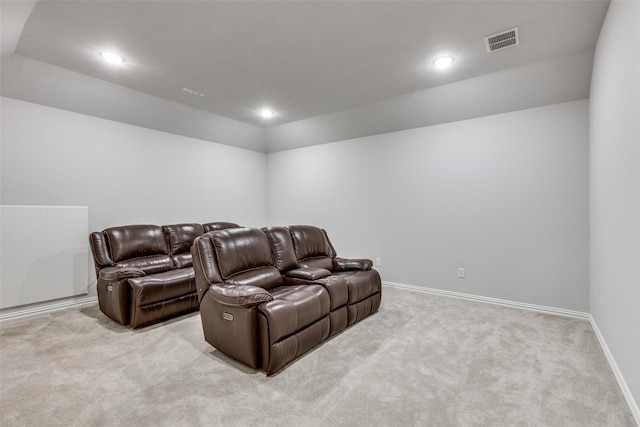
(421,360)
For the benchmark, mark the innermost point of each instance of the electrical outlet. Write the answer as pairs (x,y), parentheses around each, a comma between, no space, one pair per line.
(460,272)
(378,262)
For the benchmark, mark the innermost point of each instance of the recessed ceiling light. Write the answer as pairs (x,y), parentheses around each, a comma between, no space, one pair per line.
(192,92)
(443,62)
(112,58)
(266,113)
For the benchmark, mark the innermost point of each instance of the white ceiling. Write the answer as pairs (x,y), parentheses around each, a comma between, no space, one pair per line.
(304,59)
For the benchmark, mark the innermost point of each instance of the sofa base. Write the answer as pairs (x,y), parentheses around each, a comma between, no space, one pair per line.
(114,300)
(149,314)
(276,356)
(338,320)
(364,308)
(231,330)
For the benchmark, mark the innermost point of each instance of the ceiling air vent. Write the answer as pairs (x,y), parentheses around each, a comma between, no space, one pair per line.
(502,40)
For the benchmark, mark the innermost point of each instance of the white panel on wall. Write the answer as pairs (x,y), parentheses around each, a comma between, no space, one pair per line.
(44,253)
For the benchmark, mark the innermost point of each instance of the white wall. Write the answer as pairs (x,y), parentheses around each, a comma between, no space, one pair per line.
(615,188)
(125,174)
(504,196)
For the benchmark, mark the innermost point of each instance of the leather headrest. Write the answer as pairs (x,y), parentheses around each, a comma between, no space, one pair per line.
(282,247)
(135,241)
(181,236)
(310,241)
(241,249)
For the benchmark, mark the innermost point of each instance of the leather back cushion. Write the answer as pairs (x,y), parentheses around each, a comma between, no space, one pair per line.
(310,242)
(180,236)
(241,249)
(136,241)
(282,248)
(213,226)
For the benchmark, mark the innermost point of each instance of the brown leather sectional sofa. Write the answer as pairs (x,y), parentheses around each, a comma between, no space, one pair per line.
(269,295)
(144,272)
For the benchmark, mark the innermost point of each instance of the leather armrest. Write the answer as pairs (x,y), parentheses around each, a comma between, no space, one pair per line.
(343,264)
(308,273)
(246,296)
(113,274)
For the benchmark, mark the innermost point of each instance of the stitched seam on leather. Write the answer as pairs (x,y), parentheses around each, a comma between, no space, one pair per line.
(268,338)
(110,246)
(202,265)
(203,274)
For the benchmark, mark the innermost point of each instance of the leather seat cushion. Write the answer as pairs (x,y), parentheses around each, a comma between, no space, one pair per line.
(182,260)
(360,284)
(338,289)
(163,286)
(293,308)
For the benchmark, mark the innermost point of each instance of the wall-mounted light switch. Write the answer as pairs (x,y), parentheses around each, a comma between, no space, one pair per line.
(461,272)
(378,262)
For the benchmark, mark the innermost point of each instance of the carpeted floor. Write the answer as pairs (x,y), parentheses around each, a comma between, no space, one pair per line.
(422,360)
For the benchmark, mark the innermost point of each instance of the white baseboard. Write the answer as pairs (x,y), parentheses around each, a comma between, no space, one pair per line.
(616,371)
(496,301)
(543,309)
(45,307)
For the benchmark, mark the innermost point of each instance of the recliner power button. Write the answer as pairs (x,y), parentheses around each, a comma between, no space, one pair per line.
(110,288)
(227,316)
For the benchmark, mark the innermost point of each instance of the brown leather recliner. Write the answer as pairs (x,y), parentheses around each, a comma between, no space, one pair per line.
(248,311)
(313,249)
(287,263)
(144,272)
